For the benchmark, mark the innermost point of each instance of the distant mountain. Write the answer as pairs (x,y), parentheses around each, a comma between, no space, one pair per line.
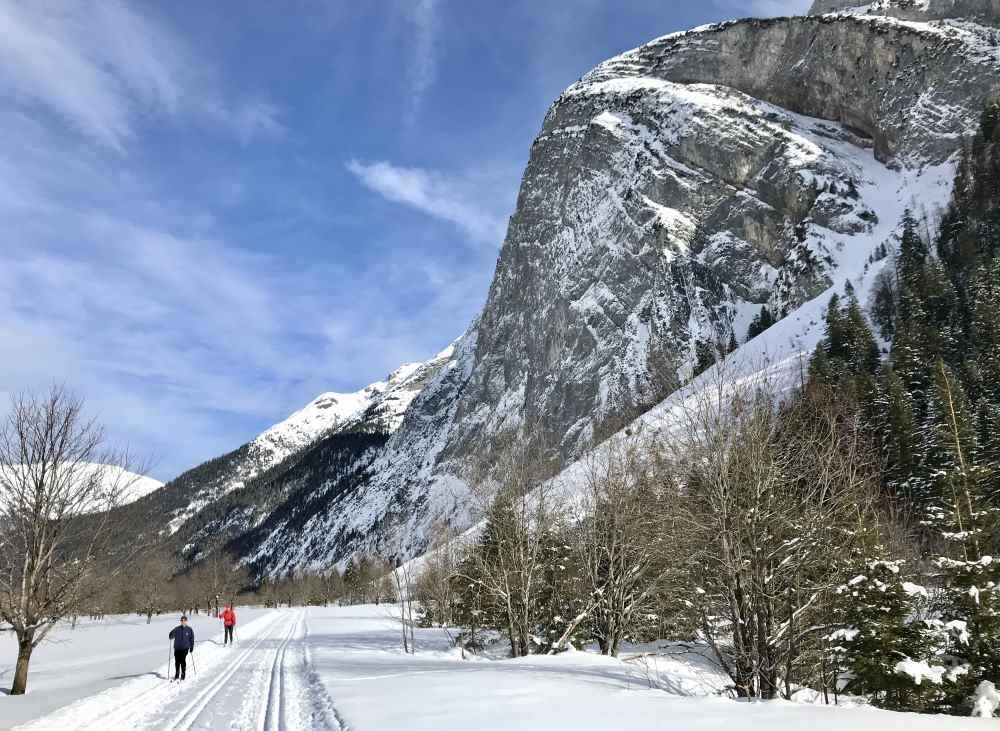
(134,486)
(673,193)
(218,501)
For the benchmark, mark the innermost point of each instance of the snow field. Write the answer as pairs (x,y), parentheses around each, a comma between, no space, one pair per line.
(356,652)
(343,668)
(71,664)
(260,683)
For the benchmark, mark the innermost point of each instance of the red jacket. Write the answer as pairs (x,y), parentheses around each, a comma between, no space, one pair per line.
(228,618)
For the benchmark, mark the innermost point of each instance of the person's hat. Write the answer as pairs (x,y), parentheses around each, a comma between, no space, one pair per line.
(184,618)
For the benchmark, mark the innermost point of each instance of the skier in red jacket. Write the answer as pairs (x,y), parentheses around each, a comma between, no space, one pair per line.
(228,617)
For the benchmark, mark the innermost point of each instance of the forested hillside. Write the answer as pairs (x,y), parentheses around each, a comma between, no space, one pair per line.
(932,410)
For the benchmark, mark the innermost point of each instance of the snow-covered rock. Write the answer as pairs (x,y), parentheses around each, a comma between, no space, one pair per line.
(672,192)
(980,11)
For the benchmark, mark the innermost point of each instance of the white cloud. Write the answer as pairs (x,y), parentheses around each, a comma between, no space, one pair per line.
(430,193)
(423,72)
(766,8)
(102,67)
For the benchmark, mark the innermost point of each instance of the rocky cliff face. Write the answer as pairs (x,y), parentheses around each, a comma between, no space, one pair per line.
(672,192)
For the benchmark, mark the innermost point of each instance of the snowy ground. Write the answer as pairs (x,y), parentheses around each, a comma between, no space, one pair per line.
(72,664)
(342,667)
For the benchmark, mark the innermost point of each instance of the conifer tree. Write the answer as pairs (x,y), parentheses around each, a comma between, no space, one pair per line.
(880,633)
(761,322)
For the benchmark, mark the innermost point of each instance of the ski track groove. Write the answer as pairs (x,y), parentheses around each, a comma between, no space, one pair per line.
(274,708)
(322,703)
(283,692)
(195,708)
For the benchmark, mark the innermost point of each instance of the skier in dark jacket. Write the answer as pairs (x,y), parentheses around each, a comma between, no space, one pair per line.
(183,637)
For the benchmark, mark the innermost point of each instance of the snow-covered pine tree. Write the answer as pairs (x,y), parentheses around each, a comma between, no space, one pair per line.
(880,631)
(968,603)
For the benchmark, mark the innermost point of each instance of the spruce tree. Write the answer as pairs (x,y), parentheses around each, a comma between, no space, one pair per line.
(966,522)
(879,635)
(761,322)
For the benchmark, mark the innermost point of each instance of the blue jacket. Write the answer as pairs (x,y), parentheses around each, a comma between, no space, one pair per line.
(183,637)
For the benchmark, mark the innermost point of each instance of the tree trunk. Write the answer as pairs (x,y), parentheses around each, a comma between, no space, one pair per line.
(24,649)
(513,638)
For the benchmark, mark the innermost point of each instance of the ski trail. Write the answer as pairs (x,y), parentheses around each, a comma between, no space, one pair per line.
(322,713)
(191,713)
(295,697)
(269,684)
(273,719)
(145,702)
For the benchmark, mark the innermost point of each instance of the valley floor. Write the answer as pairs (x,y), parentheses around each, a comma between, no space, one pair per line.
(343,668)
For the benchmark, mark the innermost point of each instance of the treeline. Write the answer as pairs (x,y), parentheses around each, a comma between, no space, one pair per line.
(151,587)
(734,533)
(365,580)
(152,583)
(844,538)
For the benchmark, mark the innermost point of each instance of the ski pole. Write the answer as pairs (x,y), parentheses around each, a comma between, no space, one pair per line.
(194,670)
(170,654)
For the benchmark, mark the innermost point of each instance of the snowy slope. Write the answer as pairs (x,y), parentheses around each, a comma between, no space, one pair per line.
(117,484)
(315,419)
(135,486)
(377,407)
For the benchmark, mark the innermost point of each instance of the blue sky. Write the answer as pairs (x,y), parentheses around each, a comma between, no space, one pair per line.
(213,212)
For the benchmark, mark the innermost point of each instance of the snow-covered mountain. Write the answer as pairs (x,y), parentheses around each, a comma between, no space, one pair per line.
(114,484)
(672,192)
(133,486)
(223,499)
(980,11)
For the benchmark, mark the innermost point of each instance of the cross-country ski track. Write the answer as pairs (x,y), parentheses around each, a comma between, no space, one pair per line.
(263,682)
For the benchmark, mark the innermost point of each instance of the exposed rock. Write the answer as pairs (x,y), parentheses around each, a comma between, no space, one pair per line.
(658,209)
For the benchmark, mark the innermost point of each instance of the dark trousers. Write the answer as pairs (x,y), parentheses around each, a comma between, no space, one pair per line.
(180,664)
(229,635)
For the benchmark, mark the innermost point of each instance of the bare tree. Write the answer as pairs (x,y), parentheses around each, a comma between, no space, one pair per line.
(619,542)
(149,580)
(402,577)
(773,505)
(507,567)
(435,583)
(58,480)
(218,578)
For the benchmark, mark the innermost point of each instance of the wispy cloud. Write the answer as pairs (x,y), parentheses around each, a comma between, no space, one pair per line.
(765,8)
(426,22)
(102,67)
(160,331)
(433,194)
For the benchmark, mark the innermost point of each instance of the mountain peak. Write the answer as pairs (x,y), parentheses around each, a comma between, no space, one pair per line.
(980,11)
